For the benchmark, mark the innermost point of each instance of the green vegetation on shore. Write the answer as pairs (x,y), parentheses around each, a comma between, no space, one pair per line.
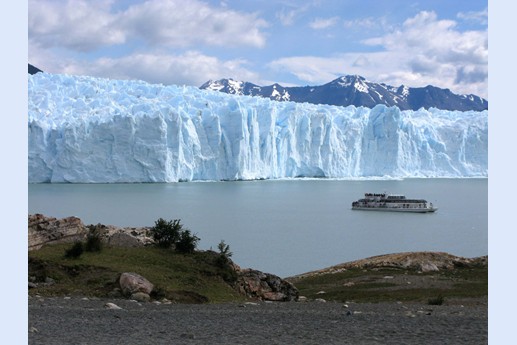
(389,284)
(184,278)
(182,274)
(202,277)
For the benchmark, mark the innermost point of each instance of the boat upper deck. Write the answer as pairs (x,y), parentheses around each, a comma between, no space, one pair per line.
(389,198)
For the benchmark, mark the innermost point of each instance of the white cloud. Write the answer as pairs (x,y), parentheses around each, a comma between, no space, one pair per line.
(77,25)
(480,17)
(190,68)
(288,16)
(182,23)
(323,23)
(88,25)
(366,25)
(361,23)
(311,69)
(435,50)
(423,51)
(61,32)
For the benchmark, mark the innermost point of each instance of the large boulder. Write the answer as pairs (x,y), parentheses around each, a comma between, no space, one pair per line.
(132,283)
(265,286)
(44,230)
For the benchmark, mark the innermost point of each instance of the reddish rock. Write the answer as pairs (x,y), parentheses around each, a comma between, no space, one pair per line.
(265,286)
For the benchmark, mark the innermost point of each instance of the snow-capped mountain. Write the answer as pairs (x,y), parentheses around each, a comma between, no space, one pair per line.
(355,90)
(85,129)
(274,92)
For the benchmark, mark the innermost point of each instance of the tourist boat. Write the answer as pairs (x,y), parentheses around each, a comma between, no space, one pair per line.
(392,202)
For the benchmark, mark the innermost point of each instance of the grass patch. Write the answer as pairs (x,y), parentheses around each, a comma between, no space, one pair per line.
(436,300)
(389,285)
(179,277)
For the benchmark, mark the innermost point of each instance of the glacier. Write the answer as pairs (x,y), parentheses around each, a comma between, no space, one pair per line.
(93,130)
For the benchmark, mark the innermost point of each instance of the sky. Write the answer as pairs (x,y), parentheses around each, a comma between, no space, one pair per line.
(415,43)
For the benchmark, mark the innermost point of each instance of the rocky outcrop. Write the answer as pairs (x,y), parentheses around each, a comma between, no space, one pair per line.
(417,261)
(123,236)
(44,230)
(265,286)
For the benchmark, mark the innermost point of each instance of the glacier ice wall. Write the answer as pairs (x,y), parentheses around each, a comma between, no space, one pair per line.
(84,129)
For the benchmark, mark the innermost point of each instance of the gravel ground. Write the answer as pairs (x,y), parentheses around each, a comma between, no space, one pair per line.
(79,320)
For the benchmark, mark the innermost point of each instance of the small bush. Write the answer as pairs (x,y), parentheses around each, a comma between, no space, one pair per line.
(171,233)
(166,233)
(436,300)
(187,242)
(223,259)
(75,251)
(224,249)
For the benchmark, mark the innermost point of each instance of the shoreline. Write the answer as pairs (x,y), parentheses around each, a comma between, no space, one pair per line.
(80,320)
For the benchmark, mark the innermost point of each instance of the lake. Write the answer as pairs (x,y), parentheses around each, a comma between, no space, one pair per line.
(287,227)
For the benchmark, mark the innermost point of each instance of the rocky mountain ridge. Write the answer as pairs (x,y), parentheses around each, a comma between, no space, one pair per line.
(355,90)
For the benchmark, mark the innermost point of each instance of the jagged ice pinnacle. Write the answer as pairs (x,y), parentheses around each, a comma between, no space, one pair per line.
(92,130)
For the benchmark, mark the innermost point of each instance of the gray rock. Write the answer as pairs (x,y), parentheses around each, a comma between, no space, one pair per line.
(131,283)
(49,281)
(428,267)
(123,239)
(110,305)
(140,297)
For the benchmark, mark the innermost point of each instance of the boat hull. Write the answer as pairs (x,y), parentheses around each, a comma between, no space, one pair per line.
(396,209)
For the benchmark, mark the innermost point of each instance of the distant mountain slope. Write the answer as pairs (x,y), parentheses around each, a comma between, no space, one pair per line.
(355,90)
(33,69)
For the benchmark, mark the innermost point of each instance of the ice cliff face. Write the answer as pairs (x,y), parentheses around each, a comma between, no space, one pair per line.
(84,129)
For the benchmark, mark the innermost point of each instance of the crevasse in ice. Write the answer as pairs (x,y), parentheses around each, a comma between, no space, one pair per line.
(94,130)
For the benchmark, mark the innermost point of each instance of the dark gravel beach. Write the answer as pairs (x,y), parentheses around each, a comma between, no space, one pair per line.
(76,320)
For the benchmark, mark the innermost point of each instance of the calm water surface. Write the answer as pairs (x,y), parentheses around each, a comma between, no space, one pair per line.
(287,227)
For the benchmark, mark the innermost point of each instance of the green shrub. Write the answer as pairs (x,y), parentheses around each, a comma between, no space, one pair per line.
(436,300)
(171,233)
(75,251)
(224,249)
(166,233)
(187,242)
(223,259)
